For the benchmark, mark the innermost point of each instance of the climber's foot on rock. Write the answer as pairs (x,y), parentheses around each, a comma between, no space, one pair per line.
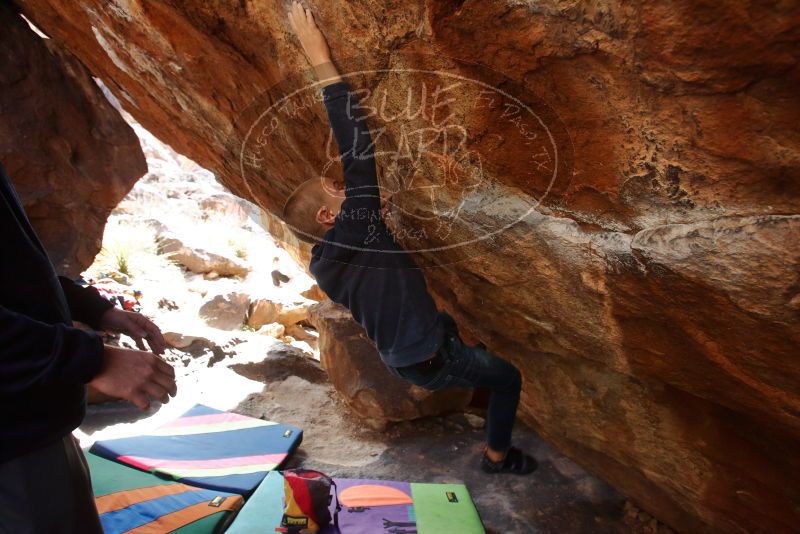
(515,462)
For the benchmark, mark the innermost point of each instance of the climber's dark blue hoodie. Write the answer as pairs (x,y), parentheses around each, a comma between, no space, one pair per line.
(358,264)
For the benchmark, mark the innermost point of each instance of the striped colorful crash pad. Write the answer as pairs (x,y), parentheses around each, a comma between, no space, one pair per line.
(370,506)
(129,500)
(208,448)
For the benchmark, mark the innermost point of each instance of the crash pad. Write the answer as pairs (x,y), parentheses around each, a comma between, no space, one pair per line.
(129,500)
(208,448)
(424,508)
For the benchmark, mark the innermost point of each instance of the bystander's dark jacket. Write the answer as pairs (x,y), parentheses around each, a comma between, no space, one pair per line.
(45,361)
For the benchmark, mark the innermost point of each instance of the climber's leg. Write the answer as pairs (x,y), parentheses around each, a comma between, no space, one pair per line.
(458,365)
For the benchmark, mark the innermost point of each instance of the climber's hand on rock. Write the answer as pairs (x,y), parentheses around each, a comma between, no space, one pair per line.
(135,325)
(136,376)
(314,44)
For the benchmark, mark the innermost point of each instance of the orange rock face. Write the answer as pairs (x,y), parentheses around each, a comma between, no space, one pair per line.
(69,153)
(615,209)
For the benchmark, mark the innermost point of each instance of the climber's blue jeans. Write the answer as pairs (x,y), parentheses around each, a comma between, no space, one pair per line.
(458,365)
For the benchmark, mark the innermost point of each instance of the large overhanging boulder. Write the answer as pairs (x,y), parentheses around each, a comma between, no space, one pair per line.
(645,280)
(69,152)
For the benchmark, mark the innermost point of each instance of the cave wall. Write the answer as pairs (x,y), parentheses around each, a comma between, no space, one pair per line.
(651,297)
(68,151)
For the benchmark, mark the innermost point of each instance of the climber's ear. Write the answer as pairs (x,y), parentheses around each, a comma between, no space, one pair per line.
(325,216)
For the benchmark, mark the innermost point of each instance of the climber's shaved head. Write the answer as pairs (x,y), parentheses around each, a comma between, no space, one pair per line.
(311,209)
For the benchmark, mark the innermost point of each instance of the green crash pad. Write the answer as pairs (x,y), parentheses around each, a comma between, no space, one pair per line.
(130,500)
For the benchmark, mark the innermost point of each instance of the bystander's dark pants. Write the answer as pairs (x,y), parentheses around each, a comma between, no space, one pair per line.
(458,365)
(48,491)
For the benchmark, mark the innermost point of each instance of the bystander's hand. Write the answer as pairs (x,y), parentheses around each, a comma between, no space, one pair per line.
(135,325)
(136,376)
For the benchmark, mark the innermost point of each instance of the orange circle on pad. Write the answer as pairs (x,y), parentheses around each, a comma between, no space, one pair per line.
(368,495)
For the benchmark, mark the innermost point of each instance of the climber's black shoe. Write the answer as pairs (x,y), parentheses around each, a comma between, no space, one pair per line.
(515,462)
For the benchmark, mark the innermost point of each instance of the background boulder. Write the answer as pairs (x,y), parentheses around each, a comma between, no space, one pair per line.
(70,154)
(265,311)
(360,377)
(225,311)
(199,260)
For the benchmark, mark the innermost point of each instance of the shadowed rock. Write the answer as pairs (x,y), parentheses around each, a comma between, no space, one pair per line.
(68,151)
(361,378)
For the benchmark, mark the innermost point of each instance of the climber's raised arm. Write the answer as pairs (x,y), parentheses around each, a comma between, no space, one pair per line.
(314,44)
(347,120)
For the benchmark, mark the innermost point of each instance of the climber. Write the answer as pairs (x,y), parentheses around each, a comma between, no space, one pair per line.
(45,364)
(358,264)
